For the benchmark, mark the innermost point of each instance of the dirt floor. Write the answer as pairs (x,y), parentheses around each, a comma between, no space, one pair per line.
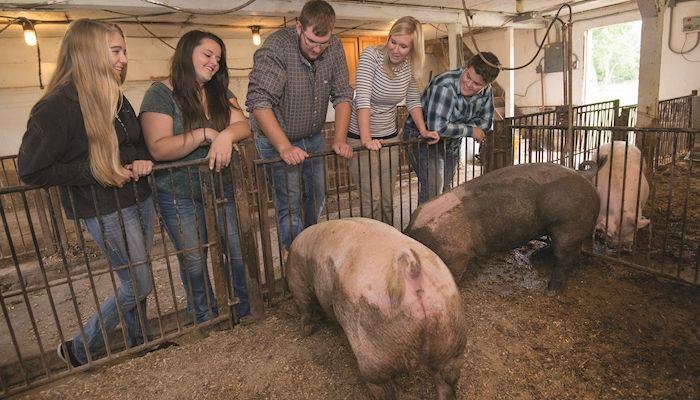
(614,334)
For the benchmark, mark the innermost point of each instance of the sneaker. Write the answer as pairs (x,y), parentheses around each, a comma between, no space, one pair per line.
(70,359)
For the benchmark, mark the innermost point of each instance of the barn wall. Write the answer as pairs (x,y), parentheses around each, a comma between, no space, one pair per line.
(148,58)
(528,91)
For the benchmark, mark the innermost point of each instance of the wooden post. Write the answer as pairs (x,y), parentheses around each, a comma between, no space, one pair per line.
(215,247)
(652,12)
(246,231)
(695,123)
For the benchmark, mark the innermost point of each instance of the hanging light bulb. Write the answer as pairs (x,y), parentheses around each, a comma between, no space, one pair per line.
(256,35)
(29,32)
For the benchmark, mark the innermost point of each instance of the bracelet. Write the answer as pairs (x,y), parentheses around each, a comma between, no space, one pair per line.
(204,134)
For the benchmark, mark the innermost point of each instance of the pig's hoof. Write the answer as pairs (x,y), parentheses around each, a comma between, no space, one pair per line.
(308,329)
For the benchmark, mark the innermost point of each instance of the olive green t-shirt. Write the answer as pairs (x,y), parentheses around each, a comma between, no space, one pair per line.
(160,99)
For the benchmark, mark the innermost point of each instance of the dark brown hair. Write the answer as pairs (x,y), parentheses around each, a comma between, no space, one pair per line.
(485,71)
(186,88)
(319,15)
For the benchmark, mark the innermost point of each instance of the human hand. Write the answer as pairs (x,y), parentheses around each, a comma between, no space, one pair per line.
(121,177)
(208,136)
(139,168)
(342,149)
(220,151)
(432,136)
(373,144)
(478,134)
(293,155)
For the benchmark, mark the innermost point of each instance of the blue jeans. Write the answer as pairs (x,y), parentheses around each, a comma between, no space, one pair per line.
(435,164)
(127,253)
(184,222)
(296,186)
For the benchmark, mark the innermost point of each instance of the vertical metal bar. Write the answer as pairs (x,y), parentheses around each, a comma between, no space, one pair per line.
(5,311)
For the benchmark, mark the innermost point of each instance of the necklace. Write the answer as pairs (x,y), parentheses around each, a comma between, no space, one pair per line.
(126,133)
(122,124)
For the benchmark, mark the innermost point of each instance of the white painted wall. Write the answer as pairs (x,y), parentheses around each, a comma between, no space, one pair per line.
(148,60)
(679,76)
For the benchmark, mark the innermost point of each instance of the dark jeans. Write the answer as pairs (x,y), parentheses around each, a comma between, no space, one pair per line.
(435,165)
(300,190)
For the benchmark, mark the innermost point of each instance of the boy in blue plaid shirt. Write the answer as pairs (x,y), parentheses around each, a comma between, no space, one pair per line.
(456,104)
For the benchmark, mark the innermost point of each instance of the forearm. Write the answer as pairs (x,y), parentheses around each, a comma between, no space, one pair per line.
(175,147)
(237,131)
(342,121)
(363,121)
(271,128)
(417,116)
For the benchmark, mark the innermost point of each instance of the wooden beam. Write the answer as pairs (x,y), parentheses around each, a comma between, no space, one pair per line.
(650,65)
(367,11)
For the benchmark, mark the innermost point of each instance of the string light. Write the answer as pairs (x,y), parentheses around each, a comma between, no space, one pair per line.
(256,35)
(29,32)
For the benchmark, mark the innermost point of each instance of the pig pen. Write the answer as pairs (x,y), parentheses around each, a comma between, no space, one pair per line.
(615,334)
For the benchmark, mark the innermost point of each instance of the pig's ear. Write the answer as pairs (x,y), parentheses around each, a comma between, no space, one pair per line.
(642,223)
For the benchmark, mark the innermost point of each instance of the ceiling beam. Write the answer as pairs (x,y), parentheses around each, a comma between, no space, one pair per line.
(367,11)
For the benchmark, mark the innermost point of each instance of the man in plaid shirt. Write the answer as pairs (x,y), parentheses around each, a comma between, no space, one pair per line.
(456,104)
(295,74)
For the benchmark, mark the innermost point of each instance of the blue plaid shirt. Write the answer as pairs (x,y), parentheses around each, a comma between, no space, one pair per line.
(451,114)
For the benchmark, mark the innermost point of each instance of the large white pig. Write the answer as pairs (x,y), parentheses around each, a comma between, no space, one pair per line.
(622,195)
(394,298)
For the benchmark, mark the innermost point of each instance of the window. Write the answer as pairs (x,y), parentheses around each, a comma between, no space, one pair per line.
(612,63)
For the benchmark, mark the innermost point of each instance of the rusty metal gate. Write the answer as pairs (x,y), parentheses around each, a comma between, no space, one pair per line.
(52,274)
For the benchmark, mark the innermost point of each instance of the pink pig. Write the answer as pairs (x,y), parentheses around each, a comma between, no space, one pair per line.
(393,297)
(622,196)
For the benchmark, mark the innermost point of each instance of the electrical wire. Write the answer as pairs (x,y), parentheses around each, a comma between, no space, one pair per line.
(530,85)
(9,24)
(194,12)
(467,14)
(681,52)
(437,28)
(38,49)
(153,34)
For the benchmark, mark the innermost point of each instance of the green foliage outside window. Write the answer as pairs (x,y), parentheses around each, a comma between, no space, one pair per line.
(616,52)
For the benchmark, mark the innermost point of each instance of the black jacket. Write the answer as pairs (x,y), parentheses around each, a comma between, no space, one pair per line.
(54,151)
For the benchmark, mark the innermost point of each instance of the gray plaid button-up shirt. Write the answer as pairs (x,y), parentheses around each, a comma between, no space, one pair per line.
(297,91)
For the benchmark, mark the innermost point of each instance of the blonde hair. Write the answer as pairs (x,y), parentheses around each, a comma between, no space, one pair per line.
(84,60)
(408,26)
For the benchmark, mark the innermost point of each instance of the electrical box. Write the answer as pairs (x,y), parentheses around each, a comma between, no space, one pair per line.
(554,57)
(691,24)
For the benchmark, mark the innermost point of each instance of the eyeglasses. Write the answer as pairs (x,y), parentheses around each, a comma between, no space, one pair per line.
(313,44)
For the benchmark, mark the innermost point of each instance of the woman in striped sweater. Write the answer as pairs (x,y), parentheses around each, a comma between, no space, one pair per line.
(386,76)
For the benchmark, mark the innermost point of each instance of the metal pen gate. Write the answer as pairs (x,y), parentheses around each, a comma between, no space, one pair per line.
(42,254)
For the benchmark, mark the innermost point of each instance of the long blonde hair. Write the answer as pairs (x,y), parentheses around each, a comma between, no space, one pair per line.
(408,26)
(84,60)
